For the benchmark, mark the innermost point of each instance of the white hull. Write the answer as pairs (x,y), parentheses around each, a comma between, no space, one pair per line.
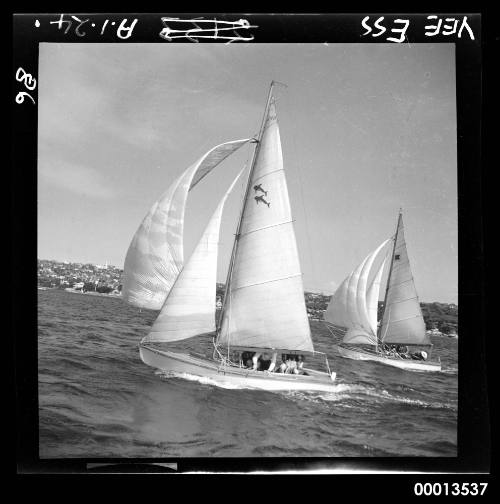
(413,365)
(233,376)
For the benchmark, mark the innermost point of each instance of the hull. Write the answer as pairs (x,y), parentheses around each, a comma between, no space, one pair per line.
(230,376)
(413,365)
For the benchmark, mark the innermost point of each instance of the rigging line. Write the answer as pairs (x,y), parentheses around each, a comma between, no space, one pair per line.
(242,182)
(266,281)
(218,326)
(268,173)
(403,319)
(265,227)
(242,211)
(401,283)
(301,193)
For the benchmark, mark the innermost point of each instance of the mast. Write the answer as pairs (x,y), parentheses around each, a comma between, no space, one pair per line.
(390,273)
(238,228)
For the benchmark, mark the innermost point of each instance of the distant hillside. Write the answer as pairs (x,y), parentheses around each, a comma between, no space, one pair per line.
(441,316)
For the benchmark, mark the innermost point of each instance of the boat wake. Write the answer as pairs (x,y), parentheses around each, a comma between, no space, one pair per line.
(450,370)
(345,393)
(165,375)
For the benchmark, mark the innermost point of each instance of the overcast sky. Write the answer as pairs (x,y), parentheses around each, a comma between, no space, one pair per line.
(365,129)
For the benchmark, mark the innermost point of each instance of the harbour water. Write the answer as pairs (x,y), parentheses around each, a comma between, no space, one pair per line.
(97,398)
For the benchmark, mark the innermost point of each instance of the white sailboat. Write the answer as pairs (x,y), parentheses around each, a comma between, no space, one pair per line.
(353,311)
(263,309)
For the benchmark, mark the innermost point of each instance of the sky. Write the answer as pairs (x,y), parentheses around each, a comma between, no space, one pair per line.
(365,129)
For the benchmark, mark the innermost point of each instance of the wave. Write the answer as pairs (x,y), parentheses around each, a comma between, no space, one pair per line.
(346,392)
(342,392)
(450,370)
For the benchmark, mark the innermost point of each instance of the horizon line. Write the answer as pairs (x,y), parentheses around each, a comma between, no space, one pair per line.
(315,291)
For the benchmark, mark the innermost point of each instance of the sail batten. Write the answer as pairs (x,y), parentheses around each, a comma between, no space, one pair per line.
(155,256)
(264,305)
(266,227)
(266,281)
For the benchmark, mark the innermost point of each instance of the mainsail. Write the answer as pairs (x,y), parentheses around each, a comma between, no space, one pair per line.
(402,320)
(189,309)
(264,306)
(352,307)
(155,255)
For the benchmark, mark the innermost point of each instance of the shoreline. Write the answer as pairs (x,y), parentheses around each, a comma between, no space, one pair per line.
(90,293)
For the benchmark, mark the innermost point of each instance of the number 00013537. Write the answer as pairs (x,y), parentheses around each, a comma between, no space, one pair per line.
(450,488)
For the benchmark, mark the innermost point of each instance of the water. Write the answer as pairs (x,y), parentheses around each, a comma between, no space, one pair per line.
(97,398)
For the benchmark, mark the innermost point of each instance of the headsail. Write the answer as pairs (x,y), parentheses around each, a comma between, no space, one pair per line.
(155,255)
(189,309)
(402,321)
(264,304)
(367,319)
(337,312)
(350,307)
(372,297)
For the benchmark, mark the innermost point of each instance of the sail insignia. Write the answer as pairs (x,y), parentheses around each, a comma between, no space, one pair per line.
(355,309)
(402,321)
(265,304)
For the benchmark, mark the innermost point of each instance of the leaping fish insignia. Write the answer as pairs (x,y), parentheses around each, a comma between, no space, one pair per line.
(261,198)
(259,188)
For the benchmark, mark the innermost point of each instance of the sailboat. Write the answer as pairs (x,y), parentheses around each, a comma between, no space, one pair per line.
(400,339)
(263,308)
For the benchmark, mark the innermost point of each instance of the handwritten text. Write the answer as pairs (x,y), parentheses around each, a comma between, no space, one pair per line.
(29,83)
(212,29)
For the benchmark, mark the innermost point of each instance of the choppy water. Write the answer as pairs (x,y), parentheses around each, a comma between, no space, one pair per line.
(97,398)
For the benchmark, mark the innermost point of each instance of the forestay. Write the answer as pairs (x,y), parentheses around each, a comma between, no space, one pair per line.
(155,255)
(265,305)
(189,309)
(402,321)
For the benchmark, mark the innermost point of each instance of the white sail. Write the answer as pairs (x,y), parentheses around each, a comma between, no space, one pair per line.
(348,307)
(352,295)
(359,335)
(189,309)
(359,331)
(361,293)
(337,312)
(265,305)
(402,321)
(372,297)
(155,255)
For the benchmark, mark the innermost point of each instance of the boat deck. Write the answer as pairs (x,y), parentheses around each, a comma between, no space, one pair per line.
(206,367)
(359,353)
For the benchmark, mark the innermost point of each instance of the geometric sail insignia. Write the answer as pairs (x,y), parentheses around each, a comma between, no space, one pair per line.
(402,321)
(265,306)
